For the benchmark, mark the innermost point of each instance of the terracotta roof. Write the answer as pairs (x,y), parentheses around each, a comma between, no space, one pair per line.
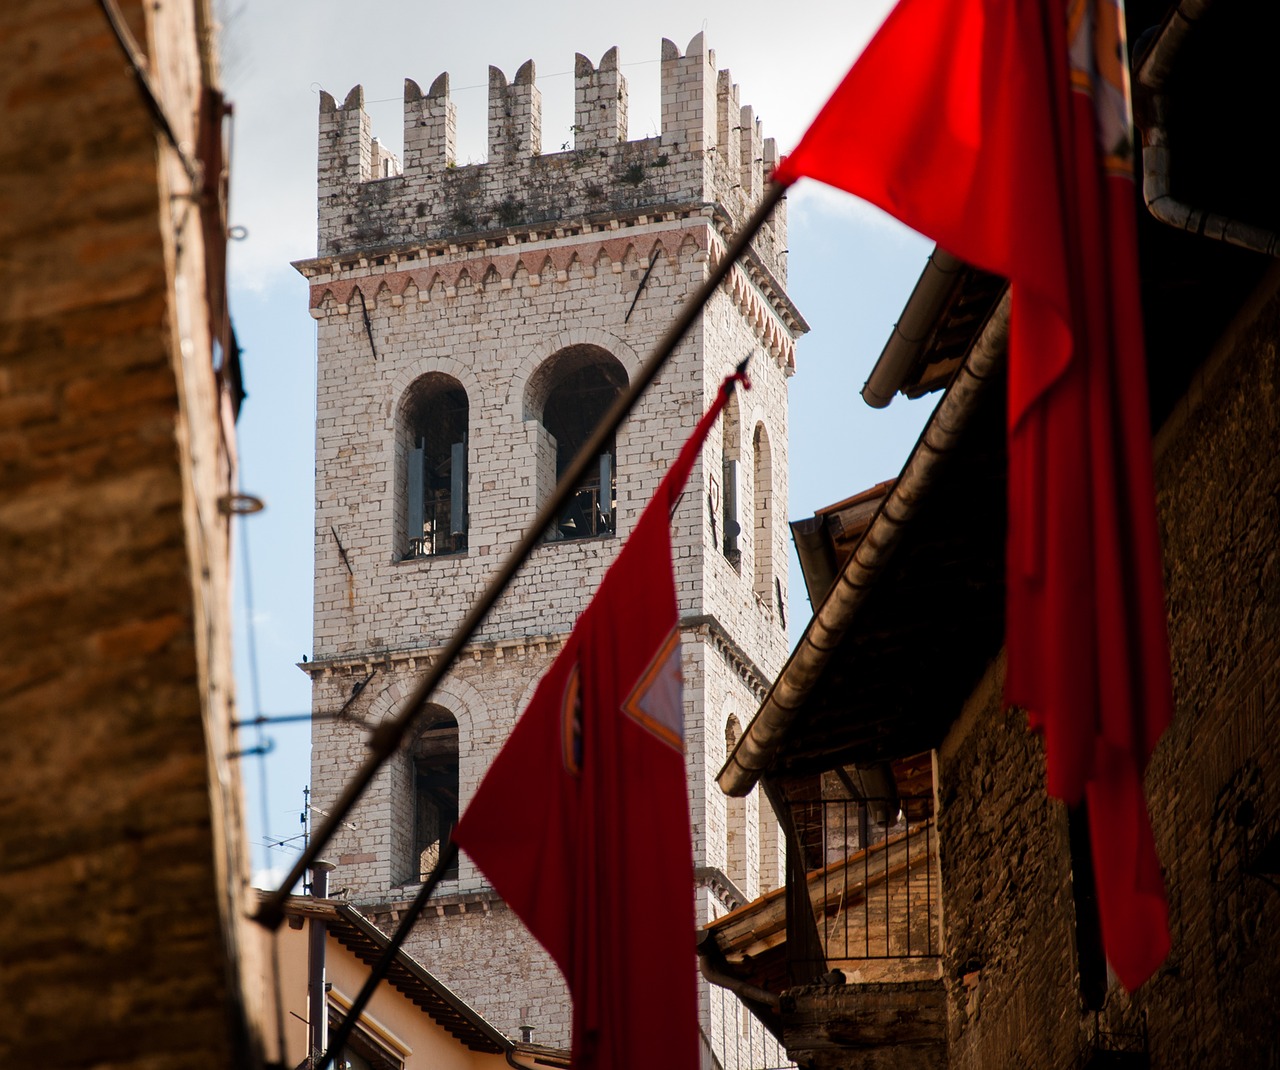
(408,976)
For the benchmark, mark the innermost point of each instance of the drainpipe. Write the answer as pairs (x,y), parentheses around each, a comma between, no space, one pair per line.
(914,326)
(1154,67)
(708,953)
(817,558)
(317,997)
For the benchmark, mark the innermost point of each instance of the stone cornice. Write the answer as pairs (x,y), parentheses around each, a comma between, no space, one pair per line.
(513,244)
(545,255)
(413,659)
(400,899)
(709,626)
(717,882)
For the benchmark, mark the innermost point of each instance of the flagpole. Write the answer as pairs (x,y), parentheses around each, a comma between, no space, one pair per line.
(386,738)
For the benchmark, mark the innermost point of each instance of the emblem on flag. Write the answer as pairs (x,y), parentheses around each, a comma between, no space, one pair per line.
(571,723)
(656,701)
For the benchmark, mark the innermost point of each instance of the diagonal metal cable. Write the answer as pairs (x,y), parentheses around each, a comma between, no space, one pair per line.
(387,737)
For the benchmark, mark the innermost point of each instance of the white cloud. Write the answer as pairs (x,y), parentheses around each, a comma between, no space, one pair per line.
(276,56)
(269,878)
(810,201)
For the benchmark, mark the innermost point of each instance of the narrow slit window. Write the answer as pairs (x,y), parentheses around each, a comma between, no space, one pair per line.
(435,791)
(762,520)
(731,521)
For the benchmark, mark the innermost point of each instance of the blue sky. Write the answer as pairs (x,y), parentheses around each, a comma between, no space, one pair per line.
(851,268)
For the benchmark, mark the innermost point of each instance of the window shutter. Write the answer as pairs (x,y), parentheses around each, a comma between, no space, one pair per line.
(415,479)
(606,491)
(458,488)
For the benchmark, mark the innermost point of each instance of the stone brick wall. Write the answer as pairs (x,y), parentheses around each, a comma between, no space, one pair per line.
(480,949)
(1213,785)
(122,888)
(1214,782)
(1009,940)
(484,273)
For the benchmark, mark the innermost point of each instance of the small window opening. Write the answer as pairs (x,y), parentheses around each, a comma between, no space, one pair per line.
(731,522)
(436,469)
(762,479)
(363,1051)
(574,406)
(435,789)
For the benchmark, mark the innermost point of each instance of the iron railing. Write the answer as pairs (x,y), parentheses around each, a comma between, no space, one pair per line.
(436,537)
(871,876)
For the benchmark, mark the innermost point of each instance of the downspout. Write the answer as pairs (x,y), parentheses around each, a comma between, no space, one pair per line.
(759,743)
(708,953)
(317,998)
(817,558)
(1151,79)
(934,287)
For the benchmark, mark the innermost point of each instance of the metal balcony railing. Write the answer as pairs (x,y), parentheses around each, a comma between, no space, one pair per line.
(436,538)
(871,877)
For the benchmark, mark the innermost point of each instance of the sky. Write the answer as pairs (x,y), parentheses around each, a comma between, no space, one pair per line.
(851,269)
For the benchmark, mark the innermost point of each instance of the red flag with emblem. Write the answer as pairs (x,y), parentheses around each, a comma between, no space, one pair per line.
(582,821)
(1001,129)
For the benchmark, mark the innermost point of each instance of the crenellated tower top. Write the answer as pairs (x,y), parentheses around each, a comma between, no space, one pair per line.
(711,152)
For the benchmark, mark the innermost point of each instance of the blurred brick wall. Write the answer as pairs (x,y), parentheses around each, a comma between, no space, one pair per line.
(120,880)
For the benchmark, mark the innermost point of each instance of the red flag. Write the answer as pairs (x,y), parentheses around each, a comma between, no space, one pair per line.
(582,821)
(1001,129)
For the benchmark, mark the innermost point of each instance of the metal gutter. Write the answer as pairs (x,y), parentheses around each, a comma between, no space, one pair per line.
(817,558)
(709,961)
(913,329)
(762,738)
(1152,75)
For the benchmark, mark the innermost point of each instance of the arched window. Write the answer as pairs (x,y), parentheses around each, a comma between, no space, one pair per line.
(731,519)
(434,447)
(735,818)
(762,519)
(435,789)
(568,395)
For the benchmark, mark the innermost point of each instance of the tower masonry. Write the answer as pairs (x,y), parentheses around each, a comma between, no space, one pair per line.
(474,323)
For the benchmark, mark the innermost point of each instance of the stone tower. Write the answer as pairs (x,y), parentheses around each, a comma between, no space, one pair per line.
(474,322)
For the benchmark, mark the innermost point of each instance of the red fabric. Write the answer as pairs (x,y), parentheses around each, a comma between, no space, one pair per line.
(977,123)
(582,821)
